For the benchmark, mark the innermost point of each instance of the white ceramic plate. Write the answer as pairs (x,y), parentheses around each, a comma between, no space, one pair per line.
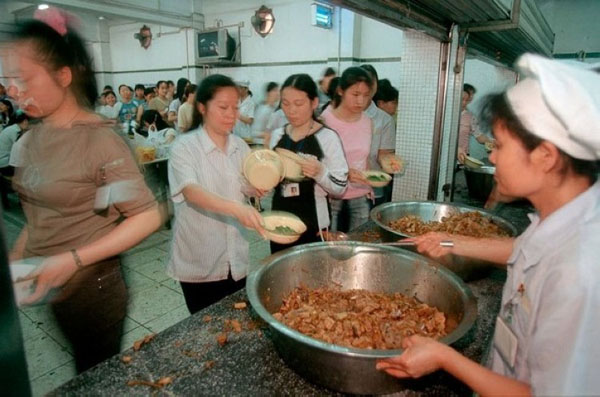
(19,269)
(384,179)
(274,219)
(472,162)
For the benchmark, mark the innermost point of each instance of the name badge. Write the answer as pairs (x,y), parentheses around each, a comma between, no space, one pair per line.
(290,190)
(506,342)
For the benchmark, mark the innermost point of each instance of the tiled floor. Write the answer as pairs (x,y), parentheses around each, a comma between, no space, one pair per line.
(155,303)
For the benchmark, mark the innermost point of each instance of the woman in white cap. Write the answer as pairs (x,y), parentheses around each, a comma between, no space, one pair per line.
(547,129)
(247,107)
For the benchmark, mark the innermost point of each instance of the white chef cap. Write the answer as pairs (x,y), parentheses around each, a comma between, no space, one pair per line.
(560,103)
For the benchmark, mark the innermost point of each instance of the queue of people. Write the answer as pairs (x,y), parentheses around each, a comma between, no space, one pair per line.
(546,150)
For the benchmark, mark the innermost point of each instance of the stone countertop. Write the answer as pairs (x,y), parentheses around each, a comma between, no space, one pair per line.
(190,355)
(248,364)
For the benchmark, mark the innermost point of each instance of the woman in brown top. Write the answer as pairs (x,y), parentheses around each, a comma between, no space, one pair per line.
(83,196)
(161,102)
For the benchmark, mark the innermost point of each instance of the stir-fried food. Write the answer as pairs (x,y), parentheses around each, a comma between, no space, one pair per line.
(359,318)
(467,224)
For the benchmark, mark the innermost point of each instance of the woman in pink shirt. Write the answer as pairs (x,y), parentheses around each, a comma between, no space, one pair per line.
(355,129)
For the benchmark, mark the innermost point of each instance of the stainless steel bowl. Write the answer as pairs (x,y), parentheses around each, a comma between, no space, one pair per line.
(353,265)
(480,181)
(465,268)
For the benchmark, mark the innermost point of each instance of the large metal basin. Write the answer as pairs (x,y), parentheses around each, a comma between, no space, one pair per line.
(480,181)
(465,268)
(353,265)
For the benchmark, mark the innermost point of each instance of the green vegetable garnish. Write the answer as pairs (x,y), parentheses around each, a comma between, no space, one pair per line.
(285,230)
(376,178)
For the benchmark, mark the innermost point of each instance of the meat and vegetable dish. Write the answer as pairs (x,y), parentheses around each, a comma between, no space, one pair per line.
(472,224)
(359,318)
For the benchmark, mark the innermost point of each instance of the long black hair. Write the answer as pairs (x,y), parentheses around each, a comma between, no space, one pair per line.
(151,116)
(180,90)
(352,75)
(496,108)
(206,91)
(56,51)
(9,115)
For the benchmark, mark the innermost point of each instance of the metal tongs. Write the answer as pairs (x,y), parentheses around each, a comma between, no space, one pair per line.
(443,243)
(341,236)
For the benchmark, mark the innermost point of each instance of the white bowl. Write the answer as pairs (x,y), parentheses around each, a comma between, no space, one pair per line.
(264,169)
(385,179)
(274,219)
(292,163)
(472,162)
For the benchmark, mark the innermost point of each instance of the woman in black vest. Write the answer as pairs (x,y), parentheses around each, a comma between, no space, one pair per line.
(324,170)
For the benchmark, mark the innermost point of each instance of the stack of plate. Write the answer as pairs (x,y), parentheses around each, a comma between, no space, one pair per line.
(264,169)
(292,163)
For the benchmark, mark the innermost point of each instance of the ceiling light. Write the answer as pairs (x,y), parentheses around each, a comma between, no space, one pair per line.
(43,7)
(101,18)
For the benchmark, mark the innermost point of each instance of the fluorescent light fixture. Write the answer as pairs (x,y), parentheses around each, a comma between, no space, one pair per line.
(43,7)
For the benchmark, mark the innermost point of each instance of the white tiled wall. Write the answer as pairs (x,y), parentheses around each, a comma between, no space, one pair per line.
(416,114)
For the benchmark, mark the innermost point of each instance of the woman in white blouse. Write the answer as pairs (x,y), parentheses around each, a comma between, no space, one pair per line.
(547,150)
(210,240)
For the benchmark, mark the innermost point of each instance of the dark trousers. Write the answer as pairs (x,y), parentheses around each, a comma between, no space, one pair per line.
(200,295)
(90,310)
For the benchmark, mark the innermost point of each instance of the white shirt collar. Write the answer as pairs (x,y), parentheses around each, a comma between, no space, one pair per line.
(553,230)
(209,146)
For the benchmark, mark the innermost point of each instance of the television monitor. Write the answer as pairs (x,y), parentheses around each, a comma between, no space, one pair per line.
(214,46)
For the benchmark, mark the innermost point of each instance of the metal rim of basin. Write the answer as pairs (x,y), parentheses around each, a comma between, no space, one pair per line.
(465,324)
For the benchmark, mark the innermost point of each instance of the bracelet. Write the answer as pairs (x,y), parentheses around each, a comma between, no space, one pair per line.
(78,262)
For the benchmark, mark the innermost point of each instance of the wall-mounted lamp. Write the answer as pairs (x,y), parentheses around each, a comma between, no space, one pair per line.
(263,21)
(144,36)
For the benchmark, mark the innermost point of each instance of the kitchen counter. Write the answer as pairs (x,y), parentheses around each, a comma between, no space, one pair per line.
(190,355)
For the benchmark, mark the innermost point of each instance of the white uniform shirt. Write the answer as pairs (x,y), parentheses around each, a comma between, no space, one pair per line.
(207,245)
(261,117)
(246,108)
(8,137)
(276,120)
(384,134)
(334,175)
(110,112)
(555,315)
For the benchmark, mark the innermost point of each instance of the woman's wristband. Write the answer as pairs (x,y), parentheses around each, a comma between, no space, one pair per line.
(78,262)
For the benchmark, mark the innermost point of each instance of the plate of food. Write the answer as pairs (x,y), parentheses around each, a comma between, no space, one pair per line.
(377,178)
(293,164)
(392,164)
(283,227)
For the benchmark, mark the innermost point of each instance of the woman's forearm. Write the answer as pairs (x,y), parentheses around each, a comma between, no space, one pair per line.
(199,197)
(496,250)
(126,235)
